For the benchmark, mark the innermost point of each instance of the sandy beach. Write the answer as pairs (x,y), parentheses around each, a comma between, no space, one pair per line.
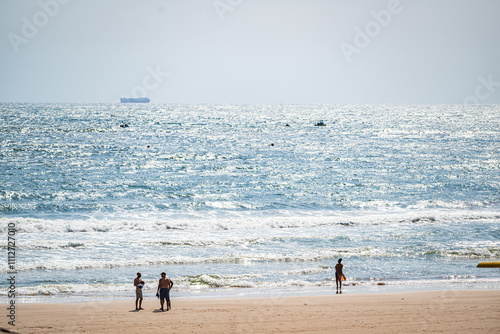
(466,311)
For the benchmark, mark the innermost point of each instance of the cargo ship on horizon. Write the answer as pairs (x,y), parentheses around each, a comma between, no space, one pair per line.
(134,100)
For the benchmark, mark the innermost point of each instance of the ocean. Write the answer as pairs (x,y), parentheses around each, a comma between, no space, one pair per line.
(246,200)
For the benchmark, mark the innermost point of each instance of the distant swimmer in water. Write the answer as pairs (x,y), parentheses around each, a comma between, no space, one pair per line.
(339,275)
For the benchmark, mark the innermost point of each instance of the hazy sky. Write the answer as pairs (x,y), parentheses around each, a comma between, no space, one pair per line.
(251,51)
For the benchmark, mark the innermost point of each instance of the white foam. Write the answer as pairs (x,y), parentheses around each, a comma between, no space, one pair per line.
(210,282)
(248,220)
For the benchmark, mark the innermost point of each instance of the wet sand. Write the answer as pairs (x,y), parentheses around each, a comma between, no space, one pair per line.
(453,311)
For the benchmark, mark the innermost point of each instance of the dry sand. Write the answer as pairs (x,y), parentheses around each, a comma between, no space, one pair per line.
(469,311)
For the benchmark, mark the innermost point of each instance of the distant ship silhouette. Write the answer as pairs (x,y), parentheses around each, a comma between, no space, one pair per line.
(134,100)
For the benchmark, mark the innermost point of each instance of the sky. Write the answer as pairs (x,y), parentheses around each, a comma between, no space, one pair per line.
(251,51)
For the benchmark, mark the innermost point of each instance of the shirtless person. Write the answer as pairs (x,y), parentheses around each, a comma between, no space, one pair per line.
(164,286)
(338,275)
(138,283)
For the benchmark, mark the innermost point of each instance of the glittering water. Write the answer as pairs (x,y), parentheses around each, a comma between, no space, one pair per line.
(228,196)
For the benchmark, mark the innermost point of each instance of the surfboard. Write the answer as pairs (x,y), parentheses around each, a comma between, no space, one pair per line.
(489,264)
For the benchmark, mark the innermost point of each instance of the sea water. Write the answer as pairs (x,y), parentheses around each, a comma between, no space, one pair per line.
(241,200)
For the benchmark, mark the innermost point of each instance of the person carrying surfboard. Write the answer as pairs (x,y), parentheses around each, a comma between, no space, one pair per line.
(339,275)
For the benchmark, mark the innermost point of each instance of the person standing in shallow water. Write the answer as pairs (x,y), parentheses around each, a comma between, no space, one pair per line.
(339,275)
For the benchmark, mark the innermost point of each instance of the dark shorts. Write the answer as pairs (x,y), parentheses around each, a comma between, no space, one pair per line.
(164,294)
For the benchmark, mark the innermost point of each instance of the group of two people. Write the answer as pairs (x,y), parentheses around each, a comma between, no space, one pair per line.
(162,292)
